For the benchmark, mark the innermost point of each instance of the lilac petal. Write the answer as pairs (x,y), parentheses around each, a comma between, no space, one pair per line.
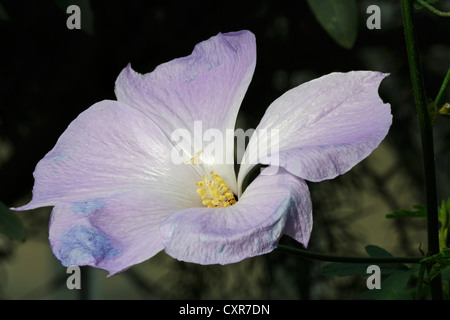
(271,206)
(325,126)
(206,86)
(110,233)
(111,148)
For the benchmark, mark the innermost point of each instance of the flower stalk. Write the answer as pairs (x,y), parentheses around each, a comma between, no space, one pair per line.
(307,254)
(433,9)
(426,136)
(439,98)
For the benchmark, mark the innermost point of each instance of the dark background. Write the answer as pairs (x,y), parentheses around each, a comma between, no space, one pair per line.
(49,74)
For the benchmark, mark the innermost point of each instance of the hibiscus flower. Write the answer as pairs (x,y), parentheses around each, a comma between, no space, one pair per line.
(119,197)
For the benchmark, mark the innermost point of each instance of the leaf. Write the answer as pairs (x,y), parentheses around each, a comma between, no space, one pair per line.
(3,15)
(10,224)
(339,18)
(386,268)
(420,212)
(440,262)
(392,288)
(252,174)
(417,5)
(345,269)
(445,273)
(377,252)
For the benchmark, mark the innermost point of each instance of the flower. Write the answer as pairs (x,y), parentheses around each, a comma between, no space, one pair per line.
(119,198)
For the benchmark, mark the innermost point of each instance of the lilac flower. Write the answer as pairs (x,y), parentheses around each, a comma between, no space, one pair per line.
(119,198)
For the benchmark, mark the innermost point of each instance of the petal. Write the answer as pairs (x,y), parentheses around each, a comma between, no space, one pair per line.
(271,206)
(323,128)
(206,86)
(201,93)
(110,233)
(111,148)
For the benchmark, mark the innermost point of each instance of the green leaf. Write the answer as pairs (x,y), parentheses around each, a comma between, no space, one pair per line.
(417,5)
(386,268)
(392,288)
(341,269)
(10,224)
(445,273)
(440,262)
(345,269)
(377,252)
(3,15)
(420,212)
(339,18)
(252,174)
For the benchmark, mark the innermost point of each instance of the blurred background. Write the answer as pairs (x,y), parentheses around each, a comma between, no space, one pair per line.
(49,74)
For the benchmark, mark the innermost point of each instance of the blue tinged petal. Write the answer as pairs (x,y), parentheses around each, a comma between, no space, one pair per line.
(271,206)
(88,207)
(119,198)
(110,233)
(82,245)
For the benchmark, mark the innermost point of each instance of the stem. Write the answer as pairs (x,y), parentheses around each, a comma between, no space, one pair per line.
(420,281)
(433,9)
(427,138)
(89,286)
(85,292)
(439,98)
(345,259)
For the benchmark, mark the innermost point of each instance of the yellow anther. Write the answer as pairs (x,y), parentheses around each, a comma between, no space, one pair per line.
(214,192)
(195,159)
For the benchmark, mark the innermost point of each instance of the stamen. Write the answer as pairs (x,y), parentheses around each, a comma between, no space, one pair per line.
(214,192)
(195,160)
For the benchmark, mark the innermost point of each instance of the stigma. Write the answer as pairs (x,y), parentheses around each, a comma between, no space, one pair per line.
(214,191)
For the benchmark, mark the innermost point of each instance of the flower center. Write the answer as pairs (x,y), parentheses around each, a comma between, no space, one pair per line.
(214,192)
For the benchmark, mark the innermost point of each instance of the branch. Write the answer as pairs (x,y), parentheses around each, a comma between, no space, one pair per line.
(426,135)
(433,9)
(306,254)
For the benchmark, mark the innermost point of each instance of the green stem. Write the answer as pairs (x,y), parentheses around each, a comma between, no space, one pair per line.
(427,138)
(439,98)
(433,9)
(420,280)
(306,254)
